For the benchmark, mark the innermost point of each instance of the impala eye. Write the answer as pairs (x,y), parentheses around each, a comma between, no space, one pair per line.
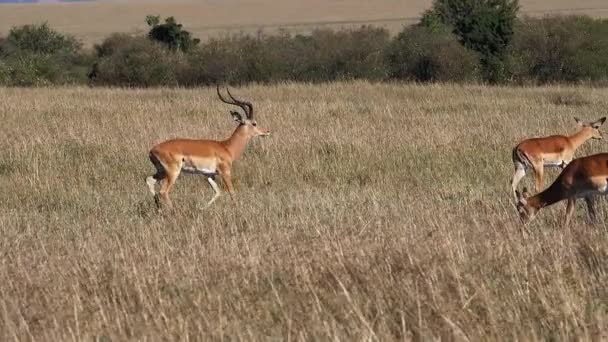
(254,124)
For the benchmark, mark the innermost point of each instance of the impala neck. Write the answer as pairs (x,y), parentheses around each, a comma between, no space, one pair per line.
(237,142)
(581,136)
(551,195)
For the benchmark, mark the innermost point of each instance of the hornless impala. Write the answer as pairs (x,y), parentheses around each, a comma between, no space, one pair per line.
(205,157)
(552,151)
(583,177)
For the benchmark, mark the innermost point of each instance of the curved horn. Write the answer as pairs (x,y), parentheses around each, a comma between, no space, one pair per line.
(243,104)
(235,103)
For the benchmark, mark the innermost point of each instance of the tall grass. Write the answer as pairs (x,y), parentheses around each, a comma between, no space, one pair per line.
(373,212)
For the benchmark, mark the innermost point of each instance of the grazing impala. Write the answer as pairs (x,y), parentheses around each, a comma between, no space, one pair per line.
(583,177)
(552,151)
(204,157)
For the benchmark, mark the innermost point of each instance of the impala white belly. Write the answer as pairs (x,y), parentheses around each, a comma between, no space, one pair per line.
(201,166)
(555,163)
(555,160)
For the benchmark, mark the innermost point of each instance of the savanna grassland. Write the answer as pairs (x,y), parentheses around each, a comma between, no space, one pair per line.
(93,21)
(373,212)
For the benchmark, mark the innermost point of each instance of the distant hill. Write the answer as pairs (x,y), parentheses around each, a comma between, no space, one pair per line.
(36,1)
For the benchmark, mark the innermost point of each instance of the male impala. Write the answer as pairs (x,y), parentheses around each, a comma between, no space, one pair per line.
(583,177)
(552,151)
(205,157)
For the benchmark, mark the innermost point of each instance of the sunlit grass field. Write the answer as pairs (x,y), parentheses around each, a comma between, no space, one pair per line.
(373,212)
(92,21)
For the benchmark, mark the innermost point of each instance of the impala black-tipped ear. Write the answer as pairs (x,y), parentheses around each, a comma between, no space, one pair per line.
(578,121)
(236,116)
(598,123)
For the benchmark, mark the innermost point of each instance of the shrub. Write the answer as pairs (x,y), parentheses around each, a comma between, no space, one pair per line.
(170,33)
(485,26)
(554,49)
(324,56)
(38,39)
(36,55)
(422,54)
(135,61)
(28,69)
(348,54)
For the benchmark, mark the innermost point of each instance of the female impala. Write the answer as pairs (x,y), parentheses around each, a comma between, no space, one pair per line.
(583,177)
(552,151)
(205,157)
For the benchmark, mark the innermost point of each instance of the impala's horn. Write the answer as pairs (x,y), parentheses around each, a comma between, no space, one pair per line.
(246,106)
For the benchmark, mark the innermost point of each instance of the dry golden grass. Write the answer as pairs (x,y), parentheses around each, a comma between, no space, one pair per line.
(374,212)
(91,22)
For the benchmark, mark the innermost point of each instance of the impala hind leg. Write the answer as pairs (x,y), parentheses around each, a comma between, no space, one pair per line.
(155,178)
(538,176)
(167,184)
(216,190)
(520,172)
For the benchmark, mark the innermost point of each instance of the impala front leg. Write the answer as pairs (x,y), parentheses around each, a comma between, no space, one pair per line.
(569,210)
(538,176)
(228,184)
(215,188)
(224,171)
(591,209)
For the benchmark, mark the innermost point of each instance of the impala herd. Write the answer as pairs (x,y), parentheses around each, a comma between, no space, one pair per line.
(582,177)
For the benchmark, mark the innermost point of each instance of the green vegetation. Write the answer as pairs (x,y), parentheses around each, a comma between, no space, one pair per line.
(484,26)
(459,41)
(170,33)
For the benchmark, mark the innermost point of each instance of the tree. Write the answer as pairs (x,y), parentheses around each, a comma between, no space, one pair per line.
(38,39)
(485,26)
(170,33)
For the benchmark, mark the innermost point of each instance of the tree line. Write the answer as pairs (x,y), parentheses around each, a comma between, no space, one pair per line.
(478,41)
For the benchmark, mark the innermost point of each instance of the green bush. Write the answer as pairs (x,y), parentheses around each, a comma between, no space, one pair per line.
(170,33)
(425,55)
(485,26)
(38,39)
(349,54)
(36,55)
(557,49)
(28,69)
(325,55)
(128,61)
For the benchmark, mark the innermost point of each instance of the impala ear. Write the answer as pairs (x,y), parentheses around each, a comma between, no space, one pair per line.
(236,116)
(579,122)
(598,123)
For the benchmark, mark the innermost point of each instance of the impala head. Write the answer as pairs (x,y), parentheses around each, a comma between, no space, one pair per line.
(247,122)
(593,127)
(526,212)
